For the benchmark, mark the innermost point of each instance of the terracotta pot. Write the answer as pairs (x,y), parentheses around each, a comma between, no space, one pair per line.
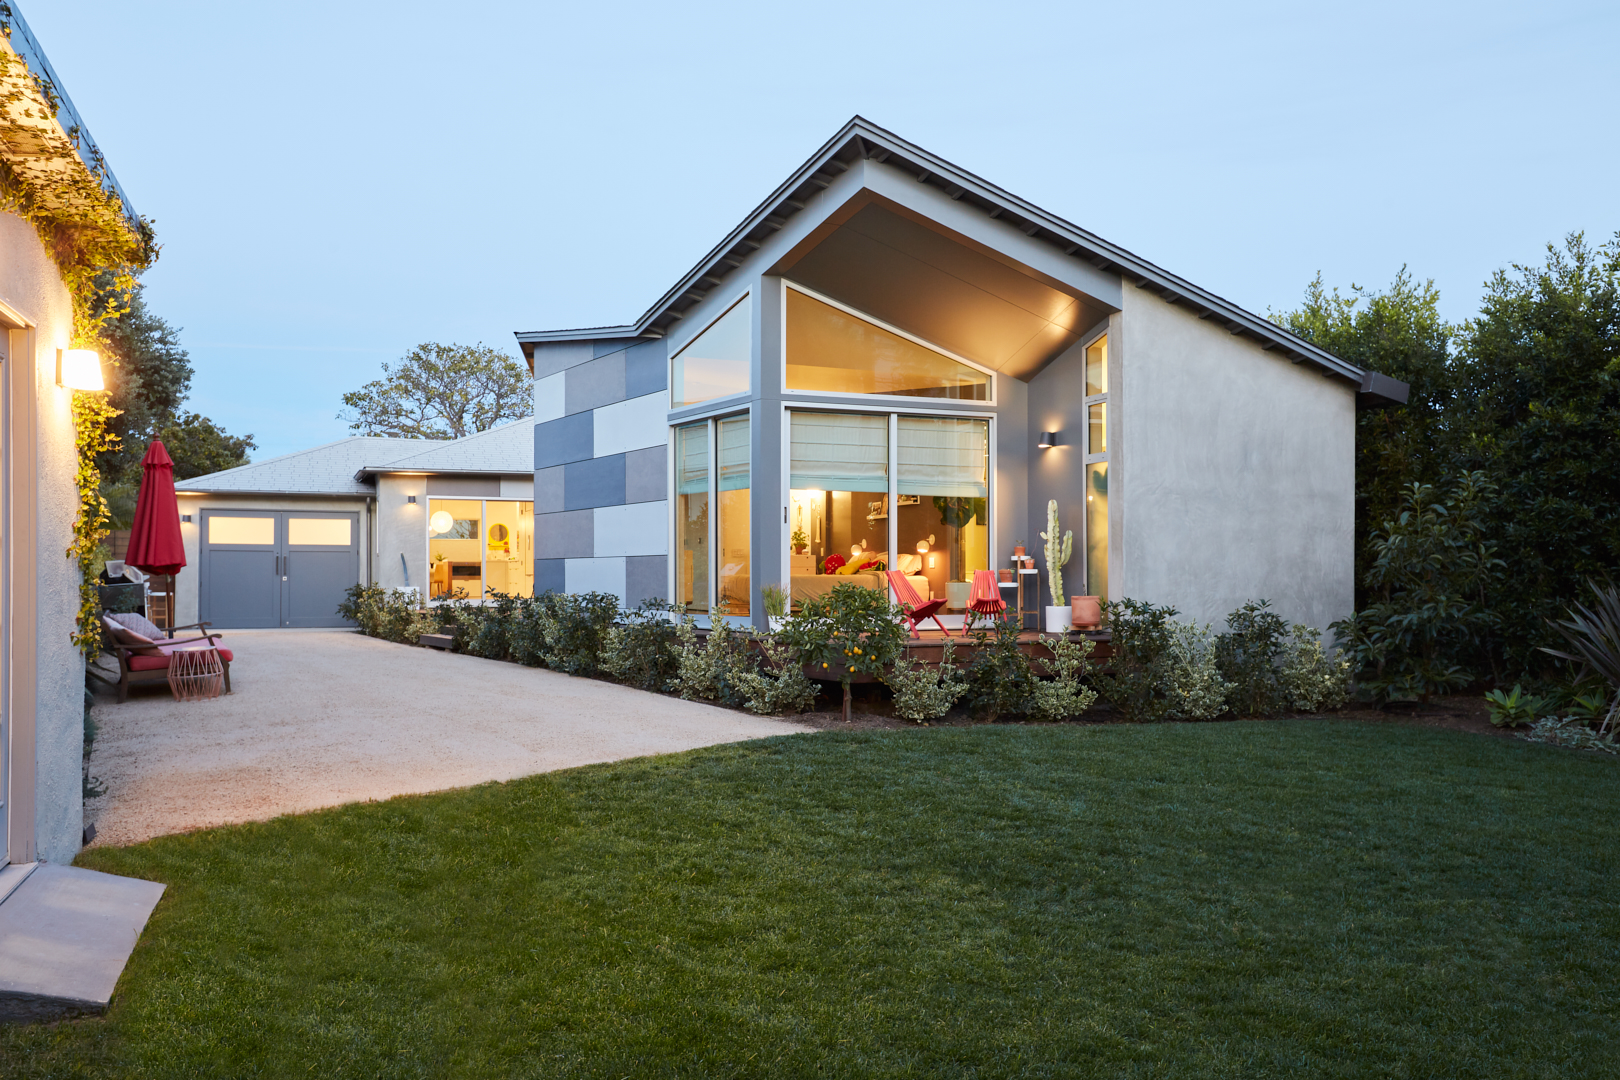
(1004,575)
(1087,611)
(1018,552)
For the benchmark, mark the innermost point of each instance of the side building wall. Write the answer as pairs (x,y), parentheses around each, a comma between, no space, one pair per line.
(1231,471)
(601,469)
(45,666)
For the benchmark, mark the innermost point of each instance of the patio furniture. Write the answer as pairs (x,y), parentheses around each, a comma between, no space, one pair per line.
(915,607)
(195,673)
(143,660)
(985,599)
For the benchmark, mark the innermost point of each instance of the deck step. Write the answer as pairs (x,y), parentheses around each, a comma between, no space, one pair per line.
(65,935)
(437,641)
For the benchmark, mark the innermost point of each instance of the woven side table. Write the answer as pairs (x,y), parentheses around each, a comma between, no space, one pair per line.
(196,674)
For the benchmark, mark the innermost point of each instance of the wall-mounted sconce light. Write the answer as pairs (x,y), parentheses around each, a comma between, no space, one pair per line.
(855,549)
(185,519)
(924,545)
(1050,439)
(79,369)
(410,499)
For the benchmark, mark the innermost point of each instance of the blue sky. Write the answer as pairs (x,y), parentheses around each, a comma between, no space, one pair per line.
(334,183)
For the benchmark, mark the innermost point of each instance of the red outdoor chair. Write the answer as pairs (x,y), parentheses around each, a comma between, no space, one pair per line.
(916,608)
(985,599)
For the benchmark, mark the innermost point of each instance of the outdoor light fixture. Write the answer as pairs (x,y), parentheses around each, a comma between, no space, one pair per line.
(410,499)
(1048,440)
(441,521)
(185,519)
(79,369)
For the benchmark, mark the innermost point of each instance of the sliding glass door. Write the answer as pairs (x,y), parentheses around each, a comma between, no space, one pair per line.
(713,468)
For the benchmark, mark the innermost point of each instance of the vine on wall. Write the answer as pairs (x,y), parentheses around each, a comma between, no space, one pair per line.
(85,228)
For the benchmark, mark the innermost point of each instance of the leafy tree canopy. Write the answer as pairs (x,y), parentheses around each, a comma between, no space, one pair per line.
(442,392)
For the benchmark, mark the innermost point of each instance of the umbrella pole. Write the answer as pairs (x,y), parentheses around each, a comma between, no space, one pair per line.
(169,612)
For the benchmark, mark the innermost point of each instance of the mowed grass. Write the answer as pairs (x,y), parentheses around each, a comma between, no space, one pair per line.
(1293,899)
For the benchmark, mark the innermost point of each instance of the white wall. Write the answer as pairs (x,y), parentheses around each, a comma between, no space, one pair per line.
(401,529)
(30,285)
(1231,471)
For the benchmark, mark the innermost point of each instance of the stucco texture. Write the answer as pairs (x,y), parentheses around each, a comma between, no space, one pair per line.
(29,284)
(1231,471)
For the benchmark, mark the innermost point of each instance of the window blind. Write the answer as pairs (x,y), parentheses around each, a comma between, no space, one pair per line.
(944,456)
(692,459)
(840,451)
(733,440)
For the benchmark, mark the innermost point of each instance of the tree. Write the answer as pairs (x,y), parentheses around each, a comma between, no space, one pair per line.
(199,446)
(442,392)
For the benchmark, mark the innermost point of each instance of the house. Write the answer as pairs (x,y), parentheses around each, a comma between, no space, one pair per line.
(278,542)
(893,360)
(61,201)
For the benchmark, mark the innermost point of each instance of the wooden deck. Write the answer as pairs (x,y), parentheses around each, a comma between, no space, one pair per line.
(929,645)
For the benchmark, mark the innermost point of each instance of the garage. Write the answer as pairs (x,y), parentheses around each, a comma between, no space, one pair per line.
(262,568)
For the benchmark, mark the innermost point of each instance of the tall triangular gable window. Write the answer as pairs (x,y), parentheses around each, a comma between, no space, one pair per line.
(830,350)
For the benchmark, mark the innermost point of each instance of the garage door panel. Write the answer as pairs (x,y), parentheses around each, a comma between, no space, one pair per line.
(243,589)
(316,583)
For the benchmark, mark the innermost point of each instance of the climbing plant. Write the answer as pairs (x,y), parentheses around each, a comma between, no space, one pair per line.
(61,187)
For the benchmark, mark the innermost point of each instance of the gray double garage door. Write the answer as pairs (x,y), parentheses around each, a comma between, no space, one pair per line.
(276,568)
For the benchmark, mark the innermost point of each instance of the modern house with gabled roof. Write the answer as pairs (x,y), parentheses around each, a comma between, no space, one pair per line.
(278,542)
(893,361)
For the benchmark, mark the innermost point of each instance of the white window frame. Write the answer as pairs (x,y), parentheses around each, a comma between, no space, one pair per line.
(1095,399)
(892,533)
(712,436)
(674,350)
(483,543)
(901,402)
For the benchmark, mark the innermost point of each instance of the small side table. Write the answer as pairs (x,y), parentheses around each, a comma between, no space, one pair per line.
(196,674)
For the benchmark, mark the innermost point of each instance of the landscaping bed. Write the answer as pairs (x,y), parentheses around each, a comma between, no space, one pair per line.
(1297,898)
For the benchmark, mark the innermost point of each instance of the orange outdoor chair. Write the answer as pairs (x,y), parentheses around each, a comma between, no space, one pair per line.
(985,599)
(916,608)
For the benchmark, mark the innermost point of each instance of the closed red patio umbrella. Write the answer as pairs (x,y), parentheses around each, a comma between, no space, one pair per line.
(155,545)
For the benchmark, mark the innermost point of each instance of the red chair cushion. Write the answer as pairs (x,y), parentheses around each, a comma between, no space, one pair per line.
(158,663)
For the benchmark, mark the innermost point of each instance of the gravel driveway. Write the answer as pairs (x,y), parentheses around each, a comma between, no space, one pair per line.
(320,718)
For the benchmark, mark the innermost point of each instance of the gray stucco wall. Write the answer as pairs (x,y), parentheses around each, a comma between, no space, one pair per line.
(1231,471)
(601,468)
(29,284)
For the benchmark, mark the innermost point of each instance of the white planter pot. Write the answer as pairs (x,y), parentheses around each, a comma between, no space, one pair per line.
(1059,619)
(777,622)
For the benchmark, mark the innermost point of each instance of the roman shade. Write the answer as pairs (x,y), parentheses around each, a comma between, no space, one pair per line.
(840,451)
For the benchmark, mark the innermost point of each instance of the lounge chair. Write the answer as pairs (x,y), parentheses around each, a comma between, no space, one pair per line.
(143,659)
(985,599)
(915,607)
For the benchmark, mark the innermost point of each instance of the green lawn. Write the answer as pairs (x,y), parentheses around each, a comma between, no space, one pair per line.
(1291,899)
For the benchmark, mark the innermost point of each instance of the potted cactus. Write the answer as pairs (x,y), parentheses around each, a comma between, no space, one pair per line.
(1058,617)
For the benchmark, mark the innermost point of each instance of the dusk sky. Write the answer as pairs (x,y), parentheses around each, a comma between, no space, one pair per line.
(335,183)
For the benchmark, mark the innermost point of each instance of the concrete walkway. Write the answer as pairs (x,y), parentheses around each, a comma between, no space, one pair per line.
(320,718)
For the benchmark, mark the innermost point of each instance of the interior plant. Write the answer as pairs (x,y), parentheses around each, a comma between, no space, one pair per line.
(851,631)
(799,540)
(1593,638)
(1057,554)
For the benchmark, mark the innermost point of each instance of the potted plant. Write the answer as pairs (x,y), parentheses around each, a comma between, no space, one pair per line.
(799,540)
(775,599)
(1058,616)
(1085,612)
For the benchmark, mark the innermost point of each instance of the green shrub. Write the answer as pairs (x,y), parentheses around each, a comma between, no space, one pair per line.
(641,650)
(1193,686)
(1311,680)
(1001,677)
(774,684)
(922,691)
(1515,708)
(1429,579)
(713,669)
(851,631)
(1065,694)
(1137,679)
(387,614)
(1249,655)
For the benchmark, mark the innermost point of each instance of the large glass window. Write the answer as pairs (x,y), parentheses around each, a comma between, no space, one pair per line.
(716,362)
(944,501)
(830,350)
(692,516)
(731,438)
(1096,455)
(847,524)
(477,547)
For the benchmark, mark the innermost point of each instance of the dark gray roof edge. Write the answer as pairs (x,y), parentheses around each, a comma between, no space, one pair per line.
(861,131)
(27,47)
(395,469)
(182,489)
